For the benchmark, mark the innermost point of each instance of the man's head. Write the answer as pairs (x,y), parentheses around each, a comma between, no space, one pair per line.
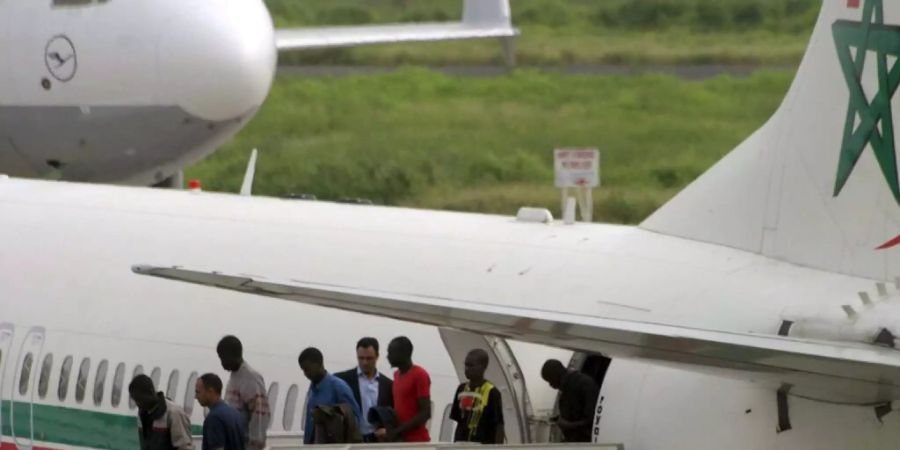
(476,364)
(312,364)
(367,354)
(552,372)
(231,353)
(208,389)
(400,351)
(143,392)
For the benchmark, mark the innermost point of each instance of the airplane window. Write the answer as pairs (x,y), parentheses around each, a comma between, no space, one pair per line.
(189,394)
(273,399)
(62,389)
(172,388)
(290,407)
(138,370)
(155,375)
(81,381)
(44,380)
(25,375)
(118,381)
(100,381)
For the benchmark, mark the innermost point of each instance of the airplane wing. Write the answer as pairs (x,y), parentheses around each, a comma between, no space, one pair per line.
(830,371)
(481,19)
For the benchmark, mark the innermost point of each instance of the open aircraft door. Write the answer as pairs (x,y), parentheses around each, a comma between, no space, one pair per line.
(503,371)
(23,387)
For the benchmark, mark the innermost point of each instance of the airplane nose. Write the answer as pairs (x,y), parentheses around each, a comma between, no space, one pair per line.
(217,59)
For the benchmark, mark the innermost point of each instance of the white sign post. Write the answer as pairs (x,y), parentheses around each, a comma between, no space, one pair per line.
(578,169)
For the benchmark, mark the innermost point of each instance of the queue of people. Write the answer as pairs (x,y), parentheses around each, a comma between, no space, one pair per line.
(356,405)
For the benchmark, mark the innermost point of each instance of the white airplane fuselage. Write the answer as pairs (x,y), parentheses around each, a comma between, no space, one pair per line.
(130,92)
(65,267)
(75,299)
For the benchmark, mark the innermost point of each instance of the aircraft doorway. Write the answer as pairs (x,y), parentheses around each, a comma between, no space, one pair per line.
(503,371)
(592,365)
(22,388)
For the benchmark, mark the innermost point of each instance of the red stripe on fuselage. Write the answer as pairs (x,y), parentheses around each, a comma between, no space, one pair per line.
(889,244)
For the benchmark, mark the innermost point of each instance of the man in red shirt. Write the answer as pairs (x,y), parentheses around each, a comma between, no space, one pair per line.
(412,395)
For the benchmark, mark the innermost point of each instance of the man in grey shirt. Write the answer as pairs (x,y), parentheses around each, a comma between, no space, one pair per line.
(245,392)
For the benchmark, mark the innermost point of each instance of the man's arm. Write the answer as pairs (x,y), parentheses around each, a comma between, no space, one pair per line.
(257,403)
(496,403)
(421,418)
(180,429)
(309,424)
(345,395)
(455,413)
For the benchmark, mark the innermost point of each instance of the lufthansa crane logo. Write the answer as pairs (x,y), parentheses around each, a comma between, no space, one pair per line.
(60,58)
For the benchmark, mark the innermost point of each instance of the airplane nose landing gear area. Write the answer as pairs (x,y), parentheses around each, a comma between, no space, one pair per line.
(150,143)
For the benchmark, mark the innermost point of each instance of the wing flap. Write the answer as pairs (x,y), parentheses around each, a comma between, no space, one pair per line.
(830,371)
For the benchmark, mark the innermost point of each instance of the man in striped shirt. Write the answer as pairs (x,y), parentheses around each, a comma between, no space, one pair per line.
(245,392)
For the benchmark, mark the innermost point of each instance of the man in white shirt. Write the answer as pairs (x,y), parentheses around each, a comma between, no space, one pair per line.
(370,388)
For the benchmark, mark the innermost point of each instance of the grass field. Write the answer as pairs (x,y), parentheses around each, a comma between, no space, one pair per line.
(558,32)
(420,138)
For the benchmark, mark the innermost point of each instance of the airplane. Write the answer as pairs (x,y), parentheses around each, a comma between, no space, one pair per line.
(132,92)
(758,309)
(76,325)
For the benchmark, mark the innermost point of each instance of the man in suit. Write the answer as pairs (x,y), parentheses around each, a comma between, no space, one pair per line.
(370,388)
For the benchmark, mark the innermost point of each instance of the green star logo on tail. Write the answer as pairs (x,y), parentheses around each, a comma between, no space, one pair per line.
(875,125)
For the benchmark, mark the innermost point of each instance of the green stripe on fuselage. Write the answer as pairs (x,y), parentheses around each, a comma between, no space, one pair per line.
(77,427)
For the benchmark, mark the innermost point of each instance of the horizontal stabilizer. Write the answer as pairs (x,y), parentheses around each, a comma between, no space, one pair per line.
(481,19)
(310,38)
(824,370)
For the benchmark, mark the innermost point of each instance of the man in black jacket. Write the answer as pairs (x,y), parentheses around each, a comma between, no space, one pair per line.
(370,388)
(578,394)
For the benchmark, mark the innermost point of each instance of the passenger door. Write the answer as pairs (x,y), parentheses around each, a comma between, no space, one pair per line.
(503,371)
(21,417)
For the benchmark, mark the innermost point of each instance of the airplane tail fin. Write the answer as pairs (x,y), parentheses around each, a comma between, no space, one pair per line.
(817,185)
(487,13)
